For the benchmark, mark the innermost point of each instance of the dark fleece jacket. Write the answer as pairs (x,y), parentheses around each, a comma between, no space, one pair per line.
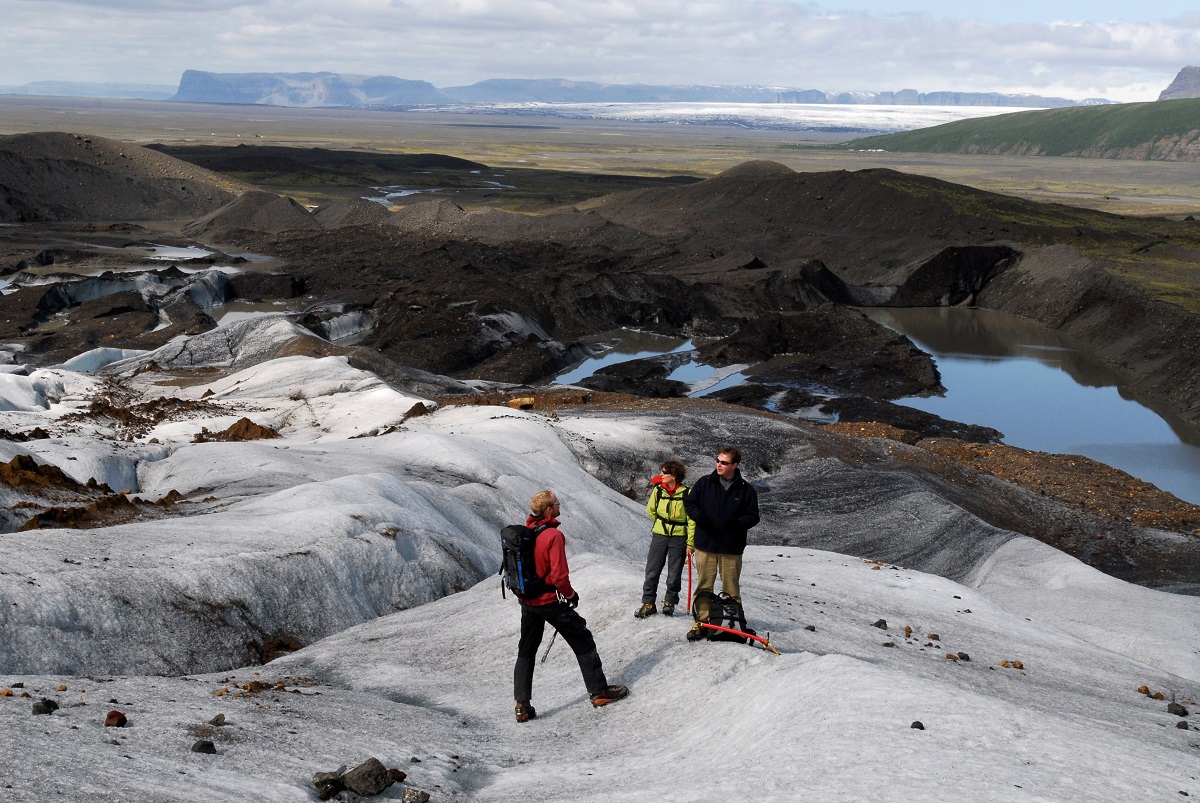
(722,517)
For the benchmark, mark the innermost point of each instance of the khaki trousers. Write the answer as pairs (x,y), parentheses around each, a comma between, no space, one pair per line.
(708,566)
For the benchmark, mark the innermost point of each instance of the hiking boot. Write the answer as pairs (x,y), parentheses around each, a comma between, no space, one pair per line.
(668,609)
(608,695)
(646,610)
(525,712)
(696,633)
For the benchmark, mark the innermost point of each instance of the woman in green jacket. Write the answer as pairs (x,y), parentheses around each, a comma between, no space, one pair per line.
(670,537)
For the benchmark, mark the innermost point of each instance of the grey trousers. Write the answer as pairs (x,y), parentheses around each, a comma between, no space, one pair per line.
(669,550)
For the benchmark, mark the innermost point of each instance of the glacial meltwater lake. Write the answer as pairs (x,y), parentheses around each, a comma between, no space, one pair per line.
(1043,394)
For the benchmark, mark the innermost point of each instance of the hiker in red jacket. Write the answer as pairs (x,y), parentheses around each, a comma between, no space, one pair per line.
(556,607)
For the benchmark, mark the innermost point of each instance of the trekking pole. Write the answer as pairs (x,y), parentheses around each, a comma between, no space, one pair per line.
(689,557)
(548,646)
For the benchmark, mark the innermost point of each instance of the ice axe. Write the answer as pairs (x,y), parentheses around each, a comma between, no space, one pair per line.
(689,581)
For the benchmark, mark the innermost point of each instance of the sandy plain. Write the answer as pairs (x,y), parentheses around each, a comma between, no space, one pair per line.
(651,149)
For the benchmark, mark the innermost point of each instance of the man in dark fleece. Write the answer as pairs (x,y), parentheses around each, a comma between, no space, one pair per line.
(724,507)
(557,608)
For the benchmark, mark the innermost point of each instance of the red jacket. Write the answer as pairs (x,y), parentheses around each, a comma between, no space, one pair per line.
(550,560)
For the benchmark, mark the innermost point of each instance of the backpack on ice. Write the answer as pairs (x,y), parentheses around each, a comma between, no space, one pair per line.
(723,611)
(516,564)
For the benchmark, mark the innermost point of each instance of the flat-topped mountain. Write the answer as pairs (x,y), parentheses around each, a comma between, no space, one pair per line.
(317,89)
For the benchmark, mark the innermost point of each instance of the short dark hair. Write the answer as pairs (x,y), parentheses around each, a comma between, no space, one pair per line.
(675,468)
(735,454)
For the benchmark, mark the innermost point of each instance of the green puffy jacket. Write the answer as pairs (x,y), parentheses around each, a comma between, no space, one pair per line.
(666,510)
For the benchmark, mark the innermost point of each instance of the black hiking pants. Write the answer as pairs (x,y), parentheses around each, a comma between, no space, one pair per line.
(573,628)
(669,550)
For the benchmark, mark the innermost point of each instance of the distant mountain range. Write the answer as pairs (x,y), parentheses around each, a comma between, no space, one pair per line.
(334,89)
(82,89)
(327,89)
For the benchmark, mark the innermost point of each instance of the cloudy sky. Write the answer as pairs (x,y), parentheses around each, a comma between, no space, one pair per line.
(1122,51)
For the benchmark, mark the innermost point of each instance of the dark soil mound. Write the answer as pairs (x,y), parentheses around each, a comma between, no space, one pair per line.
(499,227)
(758,169)
(832,349)
(870,220)
(757,198)
(351,212)
(255,211)
(434,217)
(836,346)
(70,177)
(643,377)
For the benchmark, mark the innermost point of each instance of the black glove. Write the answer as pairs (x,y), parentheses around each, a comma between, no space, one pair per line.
(573,602)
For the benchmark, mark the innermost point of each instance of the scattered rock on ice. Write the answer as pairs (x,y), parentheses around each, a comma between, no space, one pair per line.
(368,778)
(44,706)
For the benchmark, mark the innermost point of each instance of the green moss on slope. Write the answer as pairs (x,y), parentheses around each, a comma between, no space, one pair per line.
(1158,130)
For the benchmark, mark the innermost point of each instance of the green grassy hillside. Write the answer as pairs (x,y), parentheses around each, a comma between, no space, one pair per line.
(1168,130)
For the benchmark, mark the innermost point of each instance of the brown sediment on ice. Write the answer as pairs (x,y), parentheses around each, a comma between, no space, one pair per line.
(1076,481)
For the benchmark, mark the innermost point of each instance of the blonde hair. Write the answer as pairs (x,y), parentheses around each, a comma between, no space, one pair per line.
(541,501)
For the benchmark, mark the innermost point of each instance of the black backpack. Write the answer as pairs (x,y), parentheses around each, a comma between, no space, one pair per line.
(516,564)
(723,611)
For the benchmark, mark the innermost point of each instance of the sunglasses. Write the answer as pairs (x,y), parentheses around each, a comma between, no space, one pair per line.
(721,462)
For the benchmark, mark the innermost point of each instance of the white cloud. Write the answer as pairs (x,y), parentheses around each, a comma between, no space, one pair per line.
(150,6)
(450,42)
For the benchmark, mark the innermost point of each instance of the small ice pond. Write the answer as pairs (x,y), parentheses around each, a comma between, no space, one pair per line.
(1046,395)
